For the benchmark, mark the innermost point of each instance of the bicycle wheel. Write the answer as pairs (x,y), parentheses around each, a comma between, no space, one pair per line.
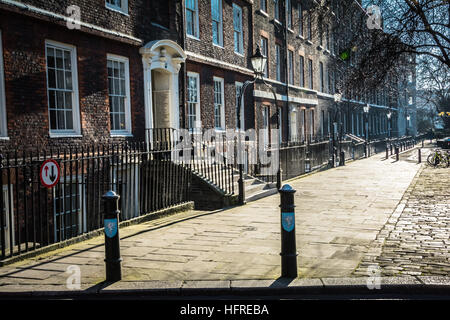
(433,159)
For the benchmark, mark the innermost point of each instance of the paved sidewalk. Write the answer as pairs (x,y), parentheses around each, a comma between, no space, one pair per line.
(339,213)
(416,239)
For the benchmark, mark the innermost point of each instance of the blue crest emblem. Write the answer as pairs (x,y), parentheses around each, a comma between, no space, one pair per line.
(110,227)
(288,221)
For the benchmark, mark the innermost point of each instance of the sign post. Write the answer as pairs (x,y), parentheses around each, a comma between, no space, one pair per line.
(50,173)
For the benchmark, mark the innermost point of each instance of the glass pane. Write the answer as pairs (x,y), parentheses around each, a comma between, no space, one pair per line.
(68,80)
(122,121)
(111,119)
(50,57)
(122,69)
(59,59)
(190,22)
(116,86)
(51,98)
(69,120)
(116,69)
(51,78)
(59,99)
(122,87)
(67,61)
(61,122)
(122,104)
(68,100)
(53,124)
(116,121)
(110,85)
(60,79)
(110,66)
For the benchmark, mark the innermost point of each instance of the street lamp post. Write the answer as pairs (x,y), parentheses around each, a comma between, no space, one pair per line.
(259,64)
(337,100)
(366,116)
(408,117)
(389,115)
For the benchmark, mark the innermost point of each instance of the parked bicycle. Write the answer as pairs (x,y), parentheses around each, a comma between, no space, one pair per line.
(439,158)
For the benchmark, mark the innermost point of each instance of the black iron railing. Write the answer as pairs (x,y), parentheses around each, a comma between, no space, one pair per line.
(34,216)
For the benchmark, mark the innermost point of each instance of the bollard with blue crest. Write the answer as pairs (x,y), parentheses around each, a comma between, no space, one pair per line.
(112,242)
(288,245)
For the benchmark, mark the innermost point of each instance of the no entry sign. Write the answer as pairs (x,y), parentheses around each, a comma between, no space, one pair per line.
(49,173)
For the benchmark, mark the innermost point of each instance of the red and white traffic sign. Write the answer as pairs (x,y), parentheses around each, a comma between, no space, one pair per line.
(50,173)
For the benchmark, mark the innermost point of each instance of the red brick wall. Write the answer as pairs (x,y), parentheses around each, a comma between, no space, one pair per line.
(26,83)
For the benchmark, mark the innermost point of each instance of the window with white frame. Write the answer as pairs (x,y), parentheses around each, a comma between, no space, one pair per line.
(119,94)
(276,9)
(193,100)
(293,124)
(309,26)
(120,5)
(278,61)
(301,68)
(265,126)
(300,19)
(62,89)
(263,5)
(237,24)
(322,80)
(219,107)
(328,37)
(192,18)
(239,86)
(265,53)
(3,122)
(291,66)
(310,74)
(312,124)
(303,124)
(289,13)
(216,15)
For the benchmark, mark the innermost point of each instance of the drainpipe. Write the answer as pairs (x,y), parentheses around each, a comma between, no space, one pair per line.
(184,73)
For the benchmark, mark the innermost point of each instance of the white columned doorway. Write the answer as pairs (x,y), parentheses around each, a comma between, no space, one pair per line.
(162,61)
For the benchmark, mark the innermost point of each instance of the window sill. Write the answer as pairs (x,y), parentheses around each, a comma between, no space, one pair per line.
(121,134)
(300,37)
(277,22)
(263,13)
(319,47)
(192,37)
(4,138)
(239,54)
(309,42)
(290,30)
(117,10)
(65,135)
(218,46)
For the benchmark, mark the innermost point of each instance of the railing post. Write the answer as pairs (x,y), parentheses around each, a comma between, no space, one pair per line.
(288,245)
(396,153)
(387,152)
(112,241)
(419,155)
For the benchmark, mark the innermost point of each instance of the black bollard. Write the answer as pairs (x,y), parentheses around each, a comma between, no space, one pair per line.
(391,148)
(112,242)
(342,158)
(396,153)
(422,142)
(420,155)
(288,246)
(387,152)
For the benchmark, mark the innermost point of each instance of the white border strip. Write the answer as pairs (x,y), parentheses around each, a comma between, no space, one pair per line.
(218,62)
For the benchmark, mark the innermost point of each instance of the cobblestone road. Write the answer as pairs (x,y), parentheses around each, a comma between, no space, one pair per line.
(416,239)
